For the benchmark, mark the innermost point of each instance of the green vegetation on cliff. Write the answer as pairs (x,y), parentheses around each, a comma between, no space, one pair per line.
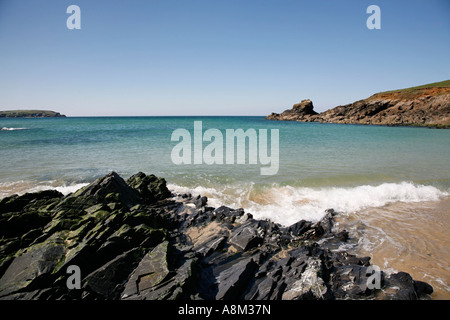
(441,84)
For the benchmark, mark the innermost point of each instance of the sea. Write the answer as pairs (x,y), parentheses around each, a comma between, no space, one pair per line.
(389,185)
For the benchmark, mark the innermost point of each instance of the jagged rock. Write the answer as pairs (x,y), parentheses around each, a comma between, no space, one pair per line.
(351,281)
(299,228)
(33,265)
(17,203)
(305,107)
(207,239)
(109,188)
(17,225)
(132,242)
(150,272)
(150,187)
(246,236)
(107,281)
(263,290)
(200,202)
(233,281)
(227,214)
(343,258)
(401,286)
(422,288)
(212,245)
(244,218)
(299,112)
(174,288)
(310,285)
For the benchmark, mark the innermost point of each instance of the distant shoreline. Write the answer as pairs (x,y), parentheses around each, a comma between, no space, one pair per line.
(30,114)
(412,125)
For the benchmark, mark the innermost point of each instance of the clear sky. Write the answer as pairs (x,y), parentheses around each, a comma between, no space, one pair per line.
(214,57)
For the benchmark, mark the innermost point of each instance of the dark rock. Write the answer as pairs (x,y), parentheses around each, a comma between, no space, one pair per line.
(326,223)
(107,280)
(278,291)
(133,241)
(227,214)
(422,288)
(344,258)
(17,203)
(305,107)
(151,217)
(200,202)
(246,236)
(261,290)
(149,187)
(310,284)
(4,264)
(299,112)
(299,228)
(210,246)
(342,236)
(175,288)
(402,285)
(138,236)
(110,188)
(233,281)
(33,266)
(351,282)
(18,225)
(151,271)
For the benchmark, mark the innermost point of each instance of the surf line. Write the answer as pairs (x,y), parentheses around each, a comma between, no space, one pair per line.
(231,150)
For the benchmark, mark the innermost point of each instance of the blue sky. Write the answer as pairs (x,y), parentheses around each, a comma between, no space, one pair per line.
(214,57)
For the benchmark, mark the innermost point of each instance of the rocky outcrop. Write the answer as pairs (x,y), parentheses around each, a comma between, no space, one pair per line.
(302,111)
(135,240)
(418,107)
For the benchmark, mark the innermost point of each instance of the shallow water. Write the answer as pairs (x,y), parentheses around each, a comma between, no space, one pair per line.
(409,237)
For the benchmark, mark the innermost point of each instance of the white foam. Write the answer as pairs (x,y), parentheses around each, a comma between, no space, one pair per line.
(12,129)
(65,190)
(20,189)
(287,205)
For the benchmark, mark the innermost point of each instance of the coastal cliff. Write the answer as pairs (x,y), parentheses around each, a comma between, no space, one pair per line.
(427,105)
(136,240)
(30,114)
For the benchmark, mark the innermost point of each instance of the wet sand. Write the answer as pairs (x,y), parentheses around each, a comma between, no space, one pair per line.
(410,237)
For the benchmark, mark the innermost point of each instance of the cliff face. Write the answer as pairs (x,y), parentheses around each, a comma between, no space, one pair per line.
(424,106)
(303,111)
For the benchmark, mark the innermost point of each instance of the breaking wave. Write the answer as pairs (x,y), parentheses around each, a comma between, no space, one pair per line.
(287,205)
(21,187)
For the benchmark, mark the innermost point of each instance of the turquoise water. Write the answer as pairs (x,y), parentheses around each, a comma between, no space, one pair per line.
(343,163)
(390,185)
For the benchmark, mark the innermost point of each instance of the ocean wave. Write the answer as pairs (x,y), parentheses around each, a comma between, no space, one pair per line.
(12,129)
(64,189)
(282,204)
(21,187)
(287,204)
